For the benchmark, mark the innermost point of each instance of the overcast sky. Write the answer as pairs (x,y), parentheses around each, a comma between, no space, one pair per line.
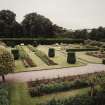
(71,14)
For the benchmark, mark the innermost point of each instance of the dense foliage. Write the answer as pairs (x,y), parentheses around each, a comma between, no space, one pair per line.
(98,99)
(43,89)
(6,61)
(37,26)
(4,94)
(15,53)
(51,52)
(71,58)
(82,49)
(103,61)
(33,25)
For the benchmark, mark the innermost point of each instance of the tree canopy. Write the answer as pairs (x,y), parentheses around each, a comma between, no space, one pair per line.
(6,61)
(35,25)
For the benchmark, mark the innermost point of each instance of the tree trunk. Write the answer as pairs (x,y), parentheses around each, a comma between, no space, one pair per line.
(3,78)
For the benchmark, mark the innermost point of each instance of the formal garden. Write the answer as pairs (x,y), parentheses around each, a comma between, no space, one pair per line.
(38,57)
(31,53)
(61,90)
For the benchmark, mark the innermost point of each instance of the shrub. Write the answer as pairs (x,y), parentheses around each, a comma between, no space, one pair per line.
(71,58)
(6,62)
(51,52)
(56,87)
(15,53)
(103,61)
(4,96)
(82,49)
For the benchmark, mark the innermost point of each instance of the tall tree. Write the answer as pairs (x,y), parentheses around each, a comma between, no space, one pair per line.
(6,62)
(8,24)
(35,24)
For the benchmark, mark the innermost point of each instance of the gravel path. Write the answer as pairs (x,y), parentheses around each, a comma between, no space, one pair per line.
(27,76)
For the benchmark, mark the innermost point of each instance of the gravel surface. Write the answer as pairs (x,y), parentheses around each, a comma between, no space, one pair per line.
(33,75)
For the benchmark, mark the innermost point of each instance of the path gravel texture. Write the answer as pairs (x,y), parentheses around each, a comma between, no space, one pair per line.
(48,74)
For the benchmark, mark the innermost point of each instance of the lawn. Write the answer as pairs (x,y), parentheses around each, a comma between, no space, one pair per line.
(60,59)
(88,58)
(19,65)
(20,95)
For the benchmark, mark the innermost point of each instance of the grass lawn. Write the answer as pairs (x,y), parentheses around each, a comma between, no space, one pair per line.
(20,95)
(61,58)
(19,66)
(87,58)
(35,58)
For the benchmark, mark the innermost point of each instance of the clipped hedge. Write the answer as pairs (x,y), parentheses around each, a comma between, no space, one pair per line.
(103,61)
(71,58)
(82,49)
(15,41)
(51,52)
(56,87)
(15,53)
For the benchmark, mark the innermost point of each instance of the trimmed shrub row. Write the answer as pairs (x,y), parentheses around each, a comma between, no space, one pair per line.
(56,87)
(83,49)
(43,56)
(71,58)
(15,41)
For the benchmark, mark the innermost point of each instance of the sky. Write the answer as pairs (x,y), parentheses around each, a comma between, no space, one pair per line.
(70,14)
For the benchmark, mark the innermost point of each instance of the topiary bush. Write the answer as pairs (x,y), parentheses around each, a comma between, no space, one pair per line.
(103,61)
(71,58)
(51,52)
(15,53)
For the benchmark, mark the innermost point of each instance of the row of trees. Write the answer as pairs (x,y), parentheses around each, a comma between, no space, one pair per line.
(93,34)
(33,25)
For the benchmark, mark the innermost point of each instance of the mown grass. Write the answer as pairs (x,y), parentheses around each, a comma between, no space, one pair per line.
(88,58)
(61,58)
(19,66)
(20,95)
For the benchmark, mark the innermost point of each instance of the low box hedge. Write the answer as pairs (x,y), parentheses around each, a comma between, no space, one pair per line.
(82,49)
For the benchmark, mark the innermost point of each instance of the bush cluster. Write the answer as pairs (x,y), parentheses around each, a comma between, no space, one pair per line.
(43,89)
(4,95)
(98,99)
(42,56)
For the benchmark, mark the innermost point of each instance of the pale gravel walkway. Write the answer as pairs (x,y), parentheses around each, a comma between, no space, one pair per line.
(27,76)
